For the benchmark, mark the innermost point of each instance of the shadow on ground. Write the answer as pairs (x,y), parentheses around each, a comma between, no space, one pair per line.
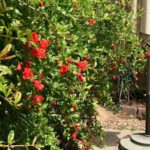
(111,139)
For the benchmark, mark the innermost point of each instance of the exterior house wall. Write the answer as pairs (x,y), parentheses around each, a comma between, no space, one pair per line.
(143,22)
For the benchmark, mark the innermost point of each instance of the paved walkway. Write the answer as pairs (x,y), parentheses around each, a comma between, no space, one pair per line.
(111,139)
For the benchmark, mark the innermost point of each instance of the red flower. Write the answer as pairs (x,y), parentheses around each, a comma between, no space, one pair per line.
(38,53)
(140,72)
(41,76)
(27,73)
(74,135)
(114,77)
(77,127)
(38,85)
(87,58)
(19,66)
(69,60)
(34,37)
(41,4)
(44,44)
(37,99)
(118,59)
(91,22)
(74,106)
(114,66)
(29,63)
(82,65)
(147,54)
(114,47)
(125,63)
(80,77)
(26,45)
(136,78)
(63,69)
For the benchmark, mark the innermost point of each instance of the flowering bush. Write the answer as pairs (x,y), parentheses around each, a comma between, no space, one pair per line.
(68,56)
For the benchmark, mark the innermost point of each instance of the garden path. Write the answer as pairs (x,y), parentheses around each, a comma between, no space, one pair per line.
(116,126)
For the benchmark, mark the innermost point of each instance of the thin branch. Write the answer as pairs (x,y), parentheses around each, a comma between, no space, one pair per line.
(8,57)
(10,37)
(14,146)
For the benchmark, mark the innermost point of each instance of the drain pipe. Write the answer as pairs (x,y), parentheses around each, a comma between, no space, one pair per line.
(147,130)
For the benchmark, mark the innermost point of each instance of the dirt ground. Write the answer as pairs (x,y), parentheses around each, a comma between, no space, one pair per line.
(119,121)
(116,126)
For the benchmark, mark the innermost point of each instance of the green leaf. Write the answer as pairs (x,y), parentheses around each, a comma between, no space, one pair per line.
(2,88)
(75,116)
(17,97)
(11,136)
(5,70)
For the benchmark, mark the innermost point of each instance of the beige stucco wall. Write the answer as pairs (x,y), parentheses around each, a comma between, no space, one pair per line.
(143,22)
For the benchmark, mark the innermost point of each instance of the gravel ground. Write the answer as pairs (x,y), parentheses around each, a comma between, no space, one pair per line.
(119,121)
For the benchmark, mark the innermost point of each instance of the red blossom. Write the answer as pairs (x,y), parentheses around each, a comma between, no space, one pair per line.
(118,59)
(63,69)
(37,110)
(74,106)
(19,66)
(114,47)
(114,66)
(38,85)
(147,54)
(29,63)
(26,45)
(125,63)
(37,99)
(27,73)
(87,58)
(34,37)
(80,77)
(82,65)
(91,22)
(74,135)
(41,76)
(114,77)
(43,44)
(38,53)
(41,4)
(136,78)
(140,72)
(77,127)
(69,60)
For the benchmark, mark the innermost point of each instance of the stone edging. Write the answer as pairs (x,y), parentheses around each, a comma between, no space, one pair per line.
(135,111)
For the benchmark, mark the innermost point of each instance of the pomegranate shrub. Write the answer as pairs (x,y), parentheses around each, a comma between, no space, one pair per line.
(69,56)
